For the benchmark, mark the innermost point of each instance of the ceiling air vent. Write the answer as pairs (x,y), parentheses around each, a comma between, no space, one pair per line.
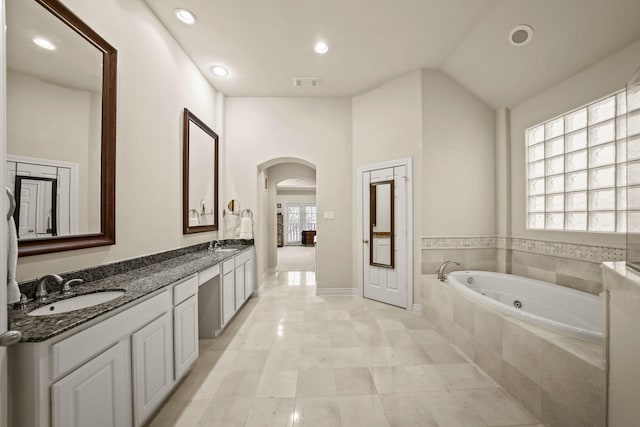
(306,81)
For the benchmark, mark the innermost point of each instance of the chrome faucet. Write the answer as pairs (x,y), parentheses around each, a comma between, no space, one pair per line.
(442,276)
(41,286)
(217,245)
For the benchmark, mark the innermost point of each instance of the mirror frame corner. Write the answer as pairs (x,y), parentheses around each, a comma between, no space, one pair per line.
(107,234)
(188,117)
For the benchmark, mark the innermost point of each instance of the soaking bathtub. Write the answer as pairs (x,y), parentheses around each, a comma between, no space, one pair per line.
(544,304)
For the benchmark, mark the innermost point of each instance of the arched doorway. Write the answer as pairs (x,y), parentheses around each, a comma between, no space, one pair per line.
(289,211)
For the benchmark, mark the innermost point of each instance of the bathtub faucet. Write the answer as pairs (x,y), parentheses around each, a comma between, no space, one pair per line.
(442,276)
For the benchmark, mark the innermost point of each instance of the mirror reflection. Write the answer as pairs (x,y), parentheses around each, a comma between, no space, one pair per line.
(60,111)
(54,108)
(200,198)
(381,224)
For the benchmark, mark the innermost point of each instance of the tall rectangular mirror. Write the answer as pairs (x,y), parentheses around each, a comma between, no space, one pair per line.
(200,176)
(381,232)
(61,113)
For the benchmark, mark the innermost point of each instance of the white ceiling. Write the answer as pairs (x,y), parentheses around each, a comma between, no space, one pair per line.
(265,43)
(74,64)
(297,184)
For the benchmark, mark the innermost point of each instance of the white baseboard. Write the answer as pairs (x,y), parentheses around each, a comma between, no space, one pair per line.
(417,308)
(324,292)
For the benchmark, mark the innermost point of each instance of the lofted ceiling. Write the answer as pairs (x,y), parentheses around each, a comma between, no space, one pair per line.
(265,43)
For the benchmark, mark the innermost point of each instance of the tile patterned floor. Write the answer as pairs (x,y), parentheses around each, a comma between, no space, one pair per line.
(290,358)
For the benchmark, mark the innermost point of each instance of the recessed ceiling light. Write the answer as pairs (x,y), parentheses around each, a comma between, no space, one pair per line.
(520,35)
(219,70)
(185,16)
(44,43)
(321,48)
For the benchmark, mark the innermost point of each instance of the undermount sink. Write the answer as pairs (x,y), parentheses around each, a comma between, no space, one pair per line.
(76,303)
(225,250)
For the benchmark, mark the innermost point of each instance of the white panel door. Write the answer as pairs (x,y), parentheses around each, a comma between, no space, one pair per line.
(228,300)
(185,335)
(388,285)
(4,422)
(152,357)
(97,394)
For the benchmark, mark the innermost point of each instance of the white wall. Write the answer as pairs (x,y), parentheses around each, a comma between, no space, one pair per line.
(316,130)
(603,78)
(458,160)
(156,80)
(387,125)
(53,122)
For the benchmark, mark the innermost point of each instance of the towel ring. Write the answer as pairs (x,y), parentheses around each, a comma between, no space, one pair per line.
(248,212)
(12,203)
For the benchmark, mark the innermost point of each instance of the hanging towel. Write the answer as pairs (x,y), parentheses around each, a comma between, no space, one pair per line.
(13,292)
(246,229)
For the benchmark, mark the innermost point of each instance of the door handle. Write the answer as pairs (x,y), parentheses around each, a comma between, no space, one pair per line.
(9,338)
(366,242)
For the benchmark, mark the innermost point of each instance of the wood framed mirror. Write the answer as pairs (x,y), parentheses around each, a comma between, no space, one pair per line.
(199,176)
(61,126)
(381,224)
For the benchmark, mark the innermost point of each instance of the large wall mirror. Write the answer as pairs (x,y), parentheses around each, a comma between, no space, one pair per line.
(200,176)
(61,128)
(381,229)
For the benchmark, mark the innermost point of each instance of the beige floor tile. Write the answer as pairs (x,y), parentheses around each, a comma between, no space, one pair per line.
(353,381)
(364,411)
(497,408)
(316,382)
(317,412)
(412,355)
(382,356)
(316,359)
(283,360)
(249,360)
(391,325)
(350,357)
(271,413)
(443,353)
(407,410)
(290,357)
(451,409)
(464,376)
(226,412)
(277,384)
(238,384)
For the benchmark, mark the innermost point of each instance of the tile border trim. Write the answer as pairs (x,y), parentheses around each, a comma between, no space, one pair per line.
(583,252)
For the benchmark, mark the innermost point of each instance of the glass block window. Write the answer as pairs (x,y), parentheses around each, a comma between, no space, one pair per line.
(577,171)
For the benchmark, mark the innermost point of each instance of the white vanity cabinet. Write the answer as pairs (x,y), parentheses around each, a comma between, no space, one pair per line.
(111,372)
(185,326)
(97,394)
(228,291)
(152,360)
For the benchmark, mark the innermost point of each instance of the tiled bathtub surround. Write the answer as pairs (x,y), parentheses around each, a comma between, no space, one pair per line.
(561,380)
(567,264)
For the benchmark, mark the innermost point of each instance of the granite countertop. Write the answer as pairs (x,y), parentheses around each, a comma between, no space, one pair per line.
(137,283)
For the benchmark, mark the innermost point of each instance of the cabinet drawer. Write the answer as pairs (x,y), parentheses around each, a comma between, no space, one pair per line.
(208,274)
(184,290)
(227,266)
(243,257)
(73,351)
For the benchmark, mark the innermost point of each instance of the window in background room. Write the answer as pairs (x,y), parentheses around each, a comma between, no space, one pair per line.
(577,170)
(299,217)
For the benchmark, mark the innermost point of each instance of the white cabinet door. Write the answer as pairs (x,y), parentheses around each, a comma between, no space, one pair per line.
(228,300)
(248,279)
(97,394)
(152,366)
(185,335)
(239,278)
